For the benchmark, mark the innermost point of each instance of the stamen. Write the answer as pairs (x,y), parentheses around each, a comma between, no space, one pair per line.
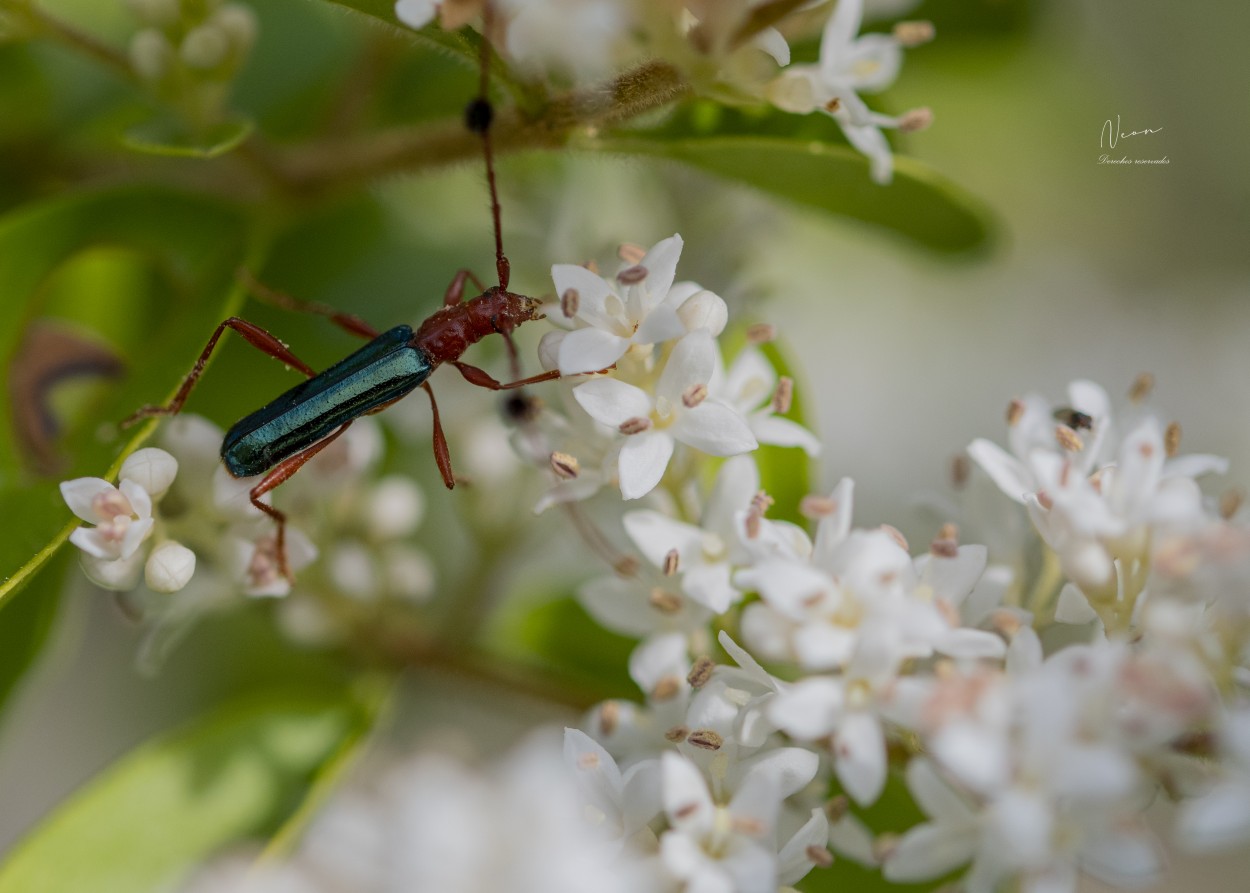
(833,105)
(814,506)
(946,543)
(819,856)
(1230,502)
(664,601)
(588,761)
(671,560)
(694,395)
(570,301)
(755,514)
(636,425)
(1142,385)
(627,566)
(632,275)
(701,672)
(783,396)
(837,808)
(1068,439)
(685,812)
(677,733)
(666,689)
(913,34)
(631,253)
(609,717)
(1172,439)
(961,470)
(884,846)
(896,535)
(761,333)
(915,120)
(1015,410)
(705,739)
(747,825)
(565,466)
(592,266)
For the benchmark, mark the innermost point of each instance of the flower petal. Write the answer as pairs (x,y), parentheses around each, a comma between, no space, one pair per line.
(644,458)
(589,350)
(859,747)
(81,492)
(689,364)
(716,429)
(611,402)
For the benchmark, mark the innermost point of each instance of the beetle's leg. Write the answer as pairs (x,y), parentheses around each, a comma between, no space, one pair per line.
(348,322)
(253,334)
(455,290)
(279,474)
(514,358)
(441,454)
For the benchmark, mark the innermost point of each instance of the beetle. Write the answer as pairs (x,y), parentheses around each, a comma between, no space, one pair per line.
(277,439)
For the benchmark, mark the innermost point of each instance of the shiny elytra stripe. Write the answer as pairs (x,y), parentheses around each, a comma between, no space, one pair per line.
(383,370)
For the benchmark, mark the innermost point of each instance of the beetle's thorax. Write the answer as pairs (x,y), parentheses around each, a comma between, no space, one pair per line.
(449,332)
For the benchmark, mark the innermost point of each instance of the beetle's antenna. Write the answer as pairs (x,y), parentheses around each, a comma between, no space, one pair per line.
(478,117)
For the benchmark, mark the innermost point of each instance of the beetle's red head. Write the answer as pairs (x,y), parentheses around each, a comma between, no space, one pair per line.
(508,310)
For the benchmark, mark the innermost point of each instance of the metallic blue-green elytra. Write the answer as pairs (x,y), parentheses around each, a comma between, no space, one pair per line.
(382,371)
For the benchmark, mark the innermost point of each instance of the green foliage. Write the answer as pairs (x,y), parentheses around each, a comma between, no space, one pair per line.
(144,823)
(165,135)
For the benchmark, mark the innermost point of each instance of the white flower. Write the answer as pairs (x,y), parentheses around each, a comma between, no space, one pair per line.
(850,65)
(122,516)
(254,562)
(751,386)
(680,411)
(577,36)
(640,307)
(1221,816)
(704,553)
(619,803)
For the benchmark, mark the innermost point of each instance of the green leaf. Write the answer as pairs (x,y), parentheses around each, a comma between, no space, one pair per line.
(920,205)
(25,628)
(152,817)
(190,248)
(165,135)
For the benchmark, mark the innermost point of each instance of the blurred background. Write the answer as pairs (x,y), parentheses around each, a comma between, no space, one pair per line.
(1097,271)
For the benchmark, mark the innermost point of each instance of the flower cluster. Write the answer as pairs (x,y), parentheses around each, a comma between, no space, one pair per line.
(728,48)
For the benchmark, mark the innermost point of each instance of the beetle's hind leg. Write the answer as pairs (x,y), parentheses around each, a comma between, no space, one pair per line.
(278,475)
(348,322)
(253,334)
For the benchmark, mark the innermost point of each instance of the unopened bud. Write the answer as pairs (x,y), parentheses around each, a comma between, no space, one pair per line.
(205,47)
(761,333)
(239,23)
(169,567)
(915,120)
(913,34)
(1068,439)
(635,425)
(152,469)
(671,560)
(570,302)
(565,466)
(632,275)
(694,395)
(704,310)
(150,54)
(705,739)
(1142,385)
(1172,439)
(701,672)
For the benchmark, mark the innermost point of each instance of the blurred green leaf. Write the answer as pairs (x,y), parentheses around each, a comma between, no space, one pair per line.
(560,637)
(26,626)
(193,246)
(159,812)
(163,134)
(920,204)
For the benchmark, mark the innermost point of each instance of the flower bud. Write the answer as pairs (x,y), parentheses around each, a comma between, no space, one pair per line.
(150,54)
(240,25)
(205,47)
(408,574)
(152,469)
(169,567)
(395,507)
(704,310)
(118,575)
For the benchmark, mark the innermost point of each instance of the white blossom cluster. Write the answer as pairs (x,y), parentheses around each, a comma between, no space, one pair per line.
(181,525)
(716,43)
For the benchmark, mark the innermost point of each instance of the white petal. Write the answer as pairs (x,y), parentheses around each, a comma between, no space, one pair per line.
(953,578)
(119,575)
(656,534)
(689,364)
(686,798)
(589,350)
(1195,465)
(809,709)
(758,798)
(745,660)
(709,586)
(415,13)
(644,458)
(1216,820)
(1073,607)
(874,62)
(839,31)
(716,429)
(612,402)
(929,850)
(81,492)
(642,794)
(592,294)
(91,543)
(661,265)
(778,431)
(619,605)
(750,380)
(789,769)
(820,645)
(971,644)
(135,534)
(661,324)
(771,41)
(1003,468)
(1124,859)
(793,862)
(869,141)
(859,746)
(934,796)
(659,657)
(596,771)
